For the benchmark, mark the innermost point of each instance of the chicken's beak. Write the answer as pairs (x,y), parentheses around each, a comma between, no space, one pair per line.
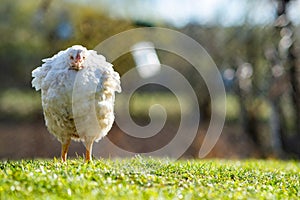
(78,58)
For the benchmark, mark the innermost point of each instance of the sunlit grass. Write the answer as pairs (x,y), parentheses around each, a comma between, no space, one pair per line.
(145,178)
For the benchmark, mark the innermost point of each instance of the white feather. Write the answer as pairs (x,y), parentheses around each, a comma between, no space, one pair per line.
(70,95)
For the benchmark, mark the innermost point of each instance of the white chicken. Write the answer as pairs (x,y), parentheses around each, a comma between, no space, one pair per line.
(78,92)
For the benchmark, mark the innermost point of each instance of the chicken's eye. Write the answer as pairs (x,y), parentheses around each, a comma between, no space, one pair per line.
(71,57)
(83,57)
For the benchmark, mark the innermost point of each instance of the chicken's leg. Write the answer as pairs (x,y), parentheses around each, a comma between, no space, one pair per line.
(89,148)
(64,149)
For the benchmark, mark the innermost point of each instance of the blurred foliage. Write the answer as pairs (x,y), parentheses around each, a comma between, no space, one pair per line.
(33,30)
(19,105)
(141,102)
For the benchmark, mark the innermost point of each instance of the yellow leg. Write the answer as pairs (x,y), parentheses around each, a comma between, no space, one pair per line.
(64,150)
(89,148)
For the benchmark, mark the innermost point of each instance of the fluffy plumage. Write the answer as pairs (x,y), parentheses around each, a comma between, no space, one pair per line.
(78,91)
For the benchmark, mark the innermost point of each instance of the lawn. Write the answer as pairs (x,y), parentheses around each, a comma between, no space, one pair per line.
(147,178)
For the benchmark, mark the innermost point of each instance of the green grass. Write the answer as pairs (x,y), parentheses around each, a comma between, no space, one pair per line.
(141,178)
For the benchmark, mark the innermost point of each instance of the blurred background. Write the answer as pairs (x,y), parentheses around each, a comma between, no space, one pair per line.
(255,44)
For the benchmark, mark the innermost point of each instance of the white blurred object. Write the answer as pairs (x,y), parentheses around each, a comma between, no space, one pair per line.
(244,74)
(146,59)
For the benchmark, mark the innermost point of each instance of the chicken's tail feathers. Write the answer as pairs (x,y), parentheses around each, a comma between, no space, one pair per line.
(38,75)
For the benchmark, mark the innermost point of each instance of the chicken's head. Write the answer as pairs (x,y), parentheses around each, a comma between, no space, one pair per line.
(77,56)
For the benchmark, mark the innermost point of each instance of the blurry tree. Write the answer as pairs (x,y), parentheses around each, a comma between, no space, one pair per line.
(285,70)
(240,50)
(31,31)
